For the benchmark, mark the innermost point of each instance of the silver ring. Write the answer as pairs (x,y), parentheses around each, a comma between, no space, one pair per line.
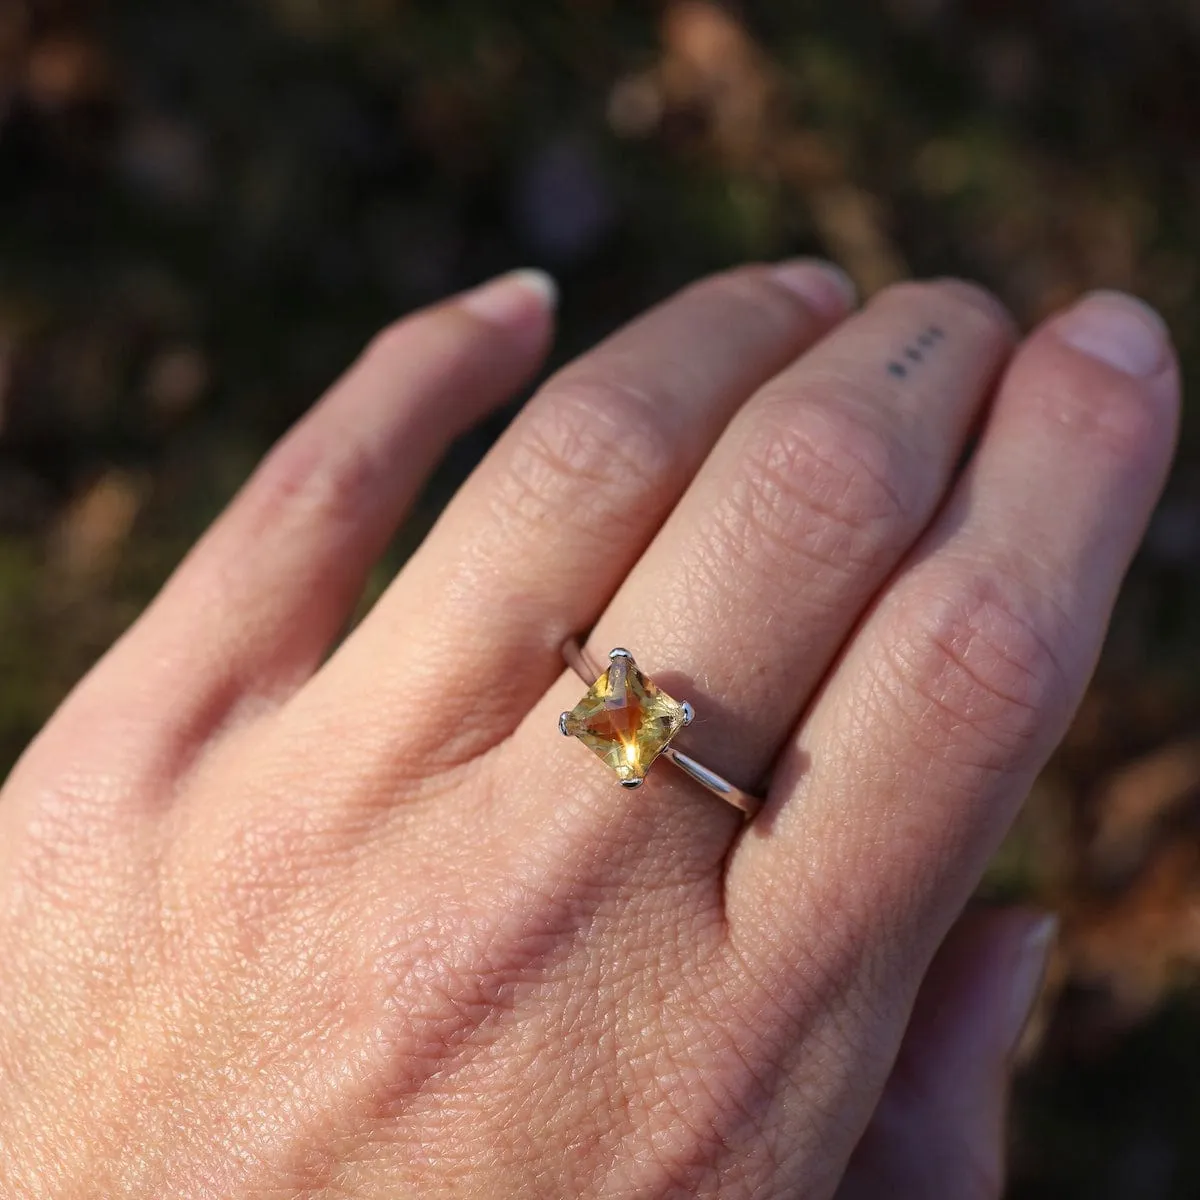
(629,722)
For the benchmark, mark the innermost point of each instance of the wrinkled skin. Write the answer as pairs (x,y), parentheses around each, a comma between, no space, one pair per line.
(280,923)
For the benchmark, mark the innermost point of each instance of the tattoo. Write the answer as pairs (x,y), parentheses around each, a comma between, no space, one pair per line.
(927,340)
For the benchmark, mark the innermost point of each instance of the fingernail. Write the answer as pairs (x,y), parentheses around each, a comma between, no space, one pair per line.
(1028,975)
(979,297)
(1118,330)
(513,297)
(824,286)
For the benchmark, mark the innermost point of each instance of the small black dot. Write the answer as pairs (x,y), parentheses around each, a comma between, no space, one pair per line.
(927,340)
(913,353)
(937,331)
(897,369)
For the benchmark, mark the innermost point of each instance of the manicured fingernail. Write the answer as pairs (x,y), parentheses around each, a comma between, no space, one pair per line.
(819,283)
(1118,330)
(1028,975)
(513,297)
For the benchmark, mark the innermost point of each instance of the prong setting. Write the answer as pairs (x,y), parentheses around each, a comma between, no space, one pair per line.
(625,718)
(689,713)
(626,689)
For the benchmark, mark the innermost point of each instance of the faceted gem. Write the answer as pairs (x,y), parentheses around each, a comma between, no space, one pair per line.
(625,719)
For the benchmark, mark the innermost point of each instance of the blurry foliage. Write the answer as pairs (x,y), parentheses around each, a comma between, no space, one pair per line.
(205,210)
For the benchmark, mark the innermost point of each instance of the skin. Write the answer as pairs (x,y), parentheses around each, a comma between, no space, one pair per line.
(280,923)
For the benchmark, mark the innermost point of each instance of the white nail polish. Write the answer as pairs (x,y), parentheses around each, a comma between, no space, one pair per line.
(823,285)
(509,299)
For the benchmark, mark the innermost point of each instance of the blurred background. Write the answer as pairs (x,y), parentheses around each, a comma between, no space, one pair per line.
(207,209)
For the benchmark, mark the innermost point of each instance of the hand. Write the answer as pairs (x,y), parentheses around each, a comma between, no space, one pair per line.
(276,926)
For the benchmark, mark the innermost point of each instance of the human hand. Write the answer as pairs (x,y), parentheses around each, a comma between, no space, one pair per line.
(276,926)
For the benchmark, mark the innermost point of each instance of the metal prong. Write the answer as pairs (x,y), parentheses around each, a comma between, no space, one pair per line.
(620,652)
(562,724)
(689,713)
(632,783)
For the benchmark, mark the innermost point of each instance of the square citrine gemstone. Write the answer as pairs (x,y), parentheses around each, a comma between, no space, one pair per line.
(626,720)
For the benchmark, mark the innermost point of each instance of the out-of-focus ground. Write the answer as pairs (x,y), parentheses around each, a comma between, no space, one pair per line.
(206,209)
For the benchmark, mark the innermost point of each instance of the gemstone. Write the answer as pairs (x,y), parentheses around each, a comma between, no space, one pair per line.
(625,719)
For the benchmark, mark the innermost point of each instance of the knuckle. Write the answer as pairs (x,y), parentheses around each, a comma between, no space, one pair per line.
(306,478)
(591,450)
(979,671)
(828,487)
(327,468)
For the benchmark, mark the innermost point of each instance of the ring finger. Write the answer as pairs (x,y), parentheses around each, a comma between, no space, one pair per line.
(806,505)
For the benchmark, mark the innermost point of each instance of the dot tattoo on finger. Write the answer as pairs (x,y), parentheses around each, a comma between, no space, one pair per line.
(928,339)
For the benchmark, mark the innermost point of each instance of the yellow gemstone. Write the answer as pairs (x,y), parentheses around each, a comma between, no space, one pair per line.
(625,719)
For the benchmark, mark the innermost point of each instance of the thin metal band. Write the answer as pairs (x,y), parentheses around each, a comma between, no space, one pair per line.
(586,667)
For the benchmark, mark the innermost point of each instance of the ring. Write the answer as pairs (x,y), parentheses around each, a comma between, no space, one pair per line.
(627,720)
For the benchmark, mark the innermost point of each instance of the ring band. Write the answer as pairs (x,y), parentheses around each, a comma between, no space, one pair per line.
(629,722)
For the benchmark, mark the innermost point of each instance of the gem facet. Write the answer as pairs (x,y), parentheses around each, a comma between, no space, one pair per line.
(625,719)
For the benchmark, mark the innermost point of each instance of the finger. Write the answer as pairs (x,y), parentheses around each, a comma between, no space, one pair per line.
(533,547)
(814,493)
(911,765)
(939,1128)
(811,498)
(257,603)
